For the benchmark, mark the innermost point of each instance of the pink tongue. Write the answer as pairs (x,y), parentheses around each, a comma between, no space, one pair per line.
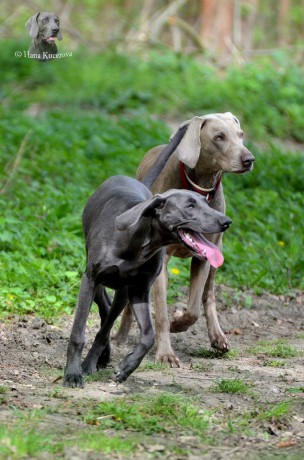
(52,38)
(214,255)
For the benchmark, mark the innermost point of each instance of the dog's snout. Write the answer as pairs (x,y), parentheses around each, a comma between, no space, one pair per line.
(225,223)
(55,30)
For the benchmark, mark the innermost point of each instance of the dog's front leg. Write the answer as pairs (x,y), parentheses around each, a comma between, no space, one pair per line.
(101,342)
(198,277)
(217,337)
(142,312)
(73,372)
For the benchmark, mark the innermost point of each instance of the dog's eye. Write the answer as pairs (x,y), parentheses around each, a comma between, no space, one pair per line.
(191,205)
(45,20)
(219,137)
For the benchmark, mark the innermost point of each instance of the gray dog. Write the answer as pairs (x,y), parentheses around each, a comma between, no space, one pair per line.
(126,229)
(44,29)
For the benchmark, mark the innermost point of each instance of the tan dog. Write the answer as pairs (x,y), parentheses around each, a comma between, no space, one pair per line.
(211,146)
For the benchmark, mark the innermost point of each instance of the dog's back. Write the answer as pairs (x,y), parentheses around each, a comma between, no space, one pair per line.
(113,197)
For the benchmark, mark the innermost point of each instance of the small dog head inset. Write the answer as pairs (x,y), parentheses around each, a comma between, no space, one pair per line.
(44,28)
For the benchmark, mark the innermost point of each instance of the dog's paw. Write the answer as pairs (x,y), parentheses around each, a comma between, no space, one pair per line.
(182,321)
(88,367)
(220,342)
(167,357)
(119,375)
(73,380)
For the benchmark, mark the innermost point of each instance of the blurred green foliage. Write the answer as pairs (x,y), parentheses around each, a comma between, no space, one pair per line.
(91,116)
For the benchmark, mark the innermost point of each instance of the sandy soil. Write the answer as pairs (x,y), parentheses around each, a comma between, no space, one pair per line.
(33,354)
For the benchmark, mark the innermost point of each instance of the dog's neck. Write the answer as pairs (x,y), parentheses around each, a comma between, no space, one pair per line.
(204,180)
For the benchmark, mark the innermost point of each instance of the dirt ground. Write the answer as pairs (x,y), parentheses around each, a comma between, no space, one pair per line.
(32,356)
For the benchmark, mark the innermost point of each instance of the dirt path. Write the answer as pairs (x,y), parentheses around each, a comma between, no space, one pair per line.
(241,425)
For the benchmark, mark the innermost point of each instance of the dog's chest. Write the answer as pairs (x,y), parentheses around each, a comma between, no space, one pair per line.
(128,273)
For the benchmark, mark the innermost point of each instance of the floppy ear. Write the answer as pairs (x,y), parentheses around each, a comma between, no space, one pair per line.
(132,217)
(188,149)
(59,36)
(32,26)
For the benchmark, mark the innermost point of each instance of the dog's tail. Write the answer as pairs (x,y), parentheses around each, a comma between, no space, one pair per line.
(164,156)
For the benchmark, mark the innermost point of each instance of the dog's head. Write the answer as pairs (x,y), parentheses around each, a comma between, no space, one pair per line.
(180,216)
(214,143)
(44,25)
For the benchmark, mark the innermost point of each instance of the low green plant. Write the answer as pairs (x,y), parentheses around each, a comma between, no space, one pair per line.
(202,367)
(151,414)
(153,366)
(102,375)
(275,412)
(21,441)
(296,390)
(274,363)
(3,394)
(233,386)
(274,349)
(99,442)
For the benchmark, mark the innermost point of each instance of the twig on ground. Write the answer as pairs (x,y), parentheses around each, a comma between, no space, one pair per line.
(16,163)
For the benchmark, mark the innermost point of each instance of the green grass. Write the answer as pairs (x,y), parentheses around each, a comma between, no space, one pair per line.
(232,386)
(153,366)
(103,375)
(98,442)
(20,442)
(274,349)
(98,125)
(274,363)
(3,394)
(296,390)
(163,413)
(277,412)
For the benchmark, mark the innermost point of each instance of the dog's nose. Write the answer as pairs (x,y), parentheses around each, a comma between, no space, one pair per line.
(55,30)
(225,223)
(247,162)
(247,158)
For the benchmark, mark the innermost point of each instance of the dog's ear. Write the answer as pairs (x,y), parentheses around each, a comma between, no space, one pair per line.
(132,217)
(32,25)
(188,150)
(59,35)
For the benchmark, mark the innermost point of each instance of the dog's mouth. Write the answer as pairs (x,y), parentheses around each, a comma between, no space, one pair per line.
(50,39)
(201,247)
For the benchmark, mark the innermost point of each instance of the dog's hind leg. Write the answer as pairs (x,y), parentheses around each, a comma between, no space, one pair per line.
(164,353)
(73,372)
(217,337)
(104,304)
(141,310)
(102,338)
(199,274)
(125,326)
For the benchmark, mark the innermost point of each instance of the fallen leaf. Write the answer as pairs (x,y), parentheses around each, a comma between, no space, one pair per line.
(283,444)
(235,332)
(156,448)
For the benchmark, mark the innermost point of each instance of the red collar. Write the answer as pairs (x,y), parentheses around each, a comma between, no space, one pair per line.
(189,185)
